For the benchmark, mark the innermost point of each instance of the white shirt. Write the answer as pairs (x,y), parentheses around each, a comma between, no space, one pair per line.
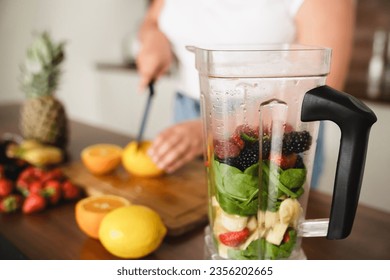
(205,22)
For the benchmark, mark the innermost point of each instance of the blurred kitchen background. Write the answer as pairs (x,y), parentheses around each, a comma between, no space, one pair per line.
(99,83)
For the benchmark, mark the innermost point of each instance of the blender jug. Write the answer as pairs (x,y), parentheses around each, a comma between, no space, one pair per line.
(260,108)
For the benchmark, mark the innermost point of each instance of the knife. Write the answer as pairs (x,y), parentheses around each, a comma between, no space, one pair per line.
(146,113)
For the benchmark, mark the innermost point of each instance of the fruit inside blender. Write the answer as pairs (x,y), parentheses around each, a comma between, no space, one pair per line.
(257,176)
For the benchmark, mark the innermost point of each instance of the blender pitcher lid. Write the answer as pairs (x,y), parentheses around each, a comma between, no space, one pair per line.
(268,61)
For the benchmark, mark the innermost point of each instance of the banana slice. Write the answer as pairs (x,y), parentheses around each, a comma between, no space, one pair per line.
(289,212)
(233,222)
(214,202)
(271,218)
(275,234)
(252,223)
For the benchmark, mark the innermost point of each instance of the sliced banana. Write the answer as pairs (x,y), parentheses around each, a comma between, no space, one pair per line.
(271,218)
(233,222)
(290,211)
(254,236)
(218,228)
(214,202)
(275,234)
(252,223)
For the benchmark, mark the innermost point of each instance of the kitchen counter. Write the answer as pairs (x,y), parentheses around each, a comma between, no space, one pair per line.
(53,234)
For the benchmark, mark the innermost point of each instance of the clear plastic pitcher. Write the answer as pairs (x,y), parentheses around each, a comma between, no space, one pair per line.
(260,108)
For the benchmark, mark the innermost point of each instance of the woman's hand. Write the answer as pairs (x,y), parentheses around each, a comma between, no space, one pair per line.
(155,55)
(177,145)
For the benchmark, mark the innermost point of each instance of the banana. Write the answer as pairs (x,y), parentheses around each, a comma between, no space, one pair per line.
(275,234)
(252,223)
(43,156)
(290,211)
(271,218)
(233,222)
(30,144)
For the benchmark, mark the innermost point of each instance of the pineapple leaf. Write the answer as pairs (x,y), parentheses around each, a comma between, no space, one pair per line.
(40,74)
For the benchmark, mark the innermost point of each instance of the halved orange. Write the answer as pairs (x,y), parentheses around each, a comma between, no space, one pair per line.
(90,211)
(101,159)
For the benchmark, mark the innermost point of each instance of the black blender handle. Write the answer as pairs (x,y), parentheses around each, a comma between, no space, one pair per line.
(355,120)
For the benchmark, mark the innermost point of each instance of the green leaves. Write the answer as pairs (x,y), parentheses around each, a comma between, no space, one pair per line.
(237,191)
(260,249)
(40,71)
(278,183)
(269,251)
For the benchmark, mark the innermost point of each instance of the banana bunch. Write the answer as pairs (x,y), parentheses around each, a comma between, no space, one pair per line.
(37,154)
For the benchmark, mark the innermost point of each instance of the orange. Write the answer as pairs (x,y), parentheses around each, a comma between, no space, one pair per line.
(138,162)
(132,232)
(90,211)
(101,159)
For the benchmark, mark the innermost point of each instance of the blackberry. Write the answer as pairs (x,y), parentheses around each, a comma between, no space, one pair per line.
(296,142)
(248,156)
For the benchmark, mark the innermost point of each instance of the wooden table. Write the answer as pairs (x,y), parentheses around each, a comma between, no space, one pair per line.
(53,234)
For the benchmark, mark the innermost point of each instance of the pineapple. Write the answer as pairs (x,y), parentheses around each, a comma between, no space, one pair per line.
(43,117)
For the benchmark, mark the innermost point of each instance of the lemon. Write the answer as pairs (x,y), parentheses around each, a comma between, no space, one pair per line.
(132,232)
(137,161)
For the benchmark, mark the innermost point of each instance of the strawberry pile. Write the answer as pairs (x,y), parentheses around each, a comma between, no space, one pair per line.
(35,189)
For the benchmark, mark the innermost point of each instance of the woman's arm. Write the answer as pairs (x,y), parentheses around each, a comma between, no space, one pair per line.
(155,55)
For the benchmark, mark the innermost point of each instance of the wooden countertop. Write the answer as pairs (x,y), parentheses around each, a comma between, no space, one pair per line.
(53,234)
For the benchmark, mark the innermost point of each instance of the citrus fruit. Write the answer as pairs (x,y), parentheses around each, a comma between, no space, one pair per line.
(101,159)
(90,211)
(132,232)
(138,162)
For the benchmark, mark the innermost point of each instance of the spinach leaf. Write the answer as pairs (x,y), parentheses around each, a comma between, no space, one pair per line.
(293,177)
(236,191)
(250,253)
(269,251)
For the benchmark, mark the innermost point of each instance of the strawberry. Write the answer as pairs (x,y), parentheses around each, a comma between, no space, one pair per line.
(52,191)
(11,203)
(285,161)
(6,187)
(35,187)
(27,173)
(34,203)
(54,174)
(236,139)
(22,186)
(70,191)
(234,238)
(286,237)
(225,149)
(246,132)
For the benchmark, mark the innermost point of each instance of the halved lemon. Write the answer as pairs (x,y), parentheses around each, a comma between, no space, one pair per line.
(137,161)
(101,159)
(90,211)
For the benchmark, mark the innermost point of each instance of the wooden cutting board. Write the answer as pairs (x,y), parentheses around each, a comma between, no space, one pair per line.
(179,198)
